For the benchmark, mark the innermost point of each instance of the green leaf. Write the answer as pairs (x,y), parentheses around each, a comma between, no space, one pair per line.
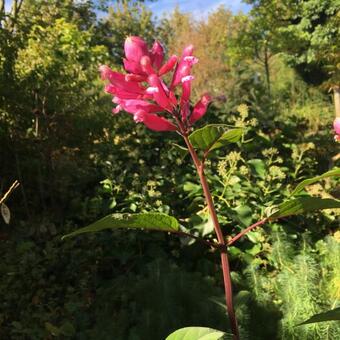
(67,329)
(301,205)
(214,136)
(300,186)
(198,333)
(258,166)
(244,214)
(152,221)
(182,151)
(330,315)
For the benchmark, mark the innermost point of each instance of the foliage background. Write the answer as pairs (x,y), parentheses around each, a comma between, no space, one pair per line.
(76,163)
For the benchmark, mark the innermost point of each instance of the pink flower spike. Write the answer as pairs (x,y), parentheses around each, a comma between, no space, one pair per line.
(200,108)
(135,48)
(154,122)
(336,125)
(157,55)
(146,65)
(168,66)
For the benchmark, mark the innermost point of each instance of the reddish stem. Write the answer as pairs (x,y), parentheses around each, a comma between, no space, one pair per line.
(224,257)
(245,231)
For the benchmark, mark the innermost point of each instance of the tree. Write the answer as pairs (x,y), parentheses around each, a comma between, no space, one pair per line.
(308,33)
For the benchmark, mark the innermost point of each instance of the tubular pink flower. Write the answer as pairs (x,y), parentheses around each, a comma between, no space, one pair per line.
(200,108)
(104,72)
(186,91)
(133,67)
(118,80)
(160,96)
(134,105)
(135,77)
(184,66)
(135,48)
(154,122)
(146,65)
(109,88)
(168,66)
(157,55)
(336,125)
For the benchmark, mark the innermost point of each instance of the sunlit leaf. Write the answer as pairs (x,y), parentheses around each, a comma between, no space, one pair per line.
(331,315)
(302,205)
(152,221)
(258,166)
(198,333)
(214,136)
(303,184)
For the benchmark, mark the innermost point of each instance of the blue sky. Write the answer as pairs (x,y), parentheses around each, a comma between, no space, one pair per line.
(199,8)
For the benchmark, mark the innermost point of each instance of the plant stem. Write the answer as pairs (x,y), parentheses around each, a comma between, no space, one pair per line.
(245,231)
(224,256)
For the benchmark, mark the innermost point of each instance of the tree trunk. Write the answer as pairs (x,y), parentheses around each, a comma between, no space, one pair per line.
(266,68)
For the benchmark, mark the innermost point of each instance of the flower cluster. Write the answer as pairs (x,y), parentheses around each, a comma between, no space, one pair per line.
(143,92)
(336,126)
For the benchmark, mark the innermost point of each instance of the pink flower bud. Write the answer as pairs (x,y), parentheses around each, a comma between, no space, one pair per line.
(168,66)
(154,122)
(188,51)
(157,55)
(146,65)
(135,48)
(200,108)
(160,96)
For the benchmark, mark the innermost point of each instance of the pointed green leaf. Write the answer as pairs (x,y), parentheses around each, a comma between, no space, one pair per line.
(258,166)
(152,221)
(300,186)
(301,205)
(214,136)
(330,315)
(198,333)
(182,151)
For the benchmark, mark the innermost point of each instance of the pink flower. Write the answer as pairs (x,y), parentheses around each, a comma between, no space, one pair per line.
(157,55)
(200,108)
(144,93)
(336,125)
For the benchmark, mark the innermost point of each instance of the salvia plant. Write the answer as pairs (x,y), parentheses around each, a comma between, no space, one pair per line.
(157,94)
